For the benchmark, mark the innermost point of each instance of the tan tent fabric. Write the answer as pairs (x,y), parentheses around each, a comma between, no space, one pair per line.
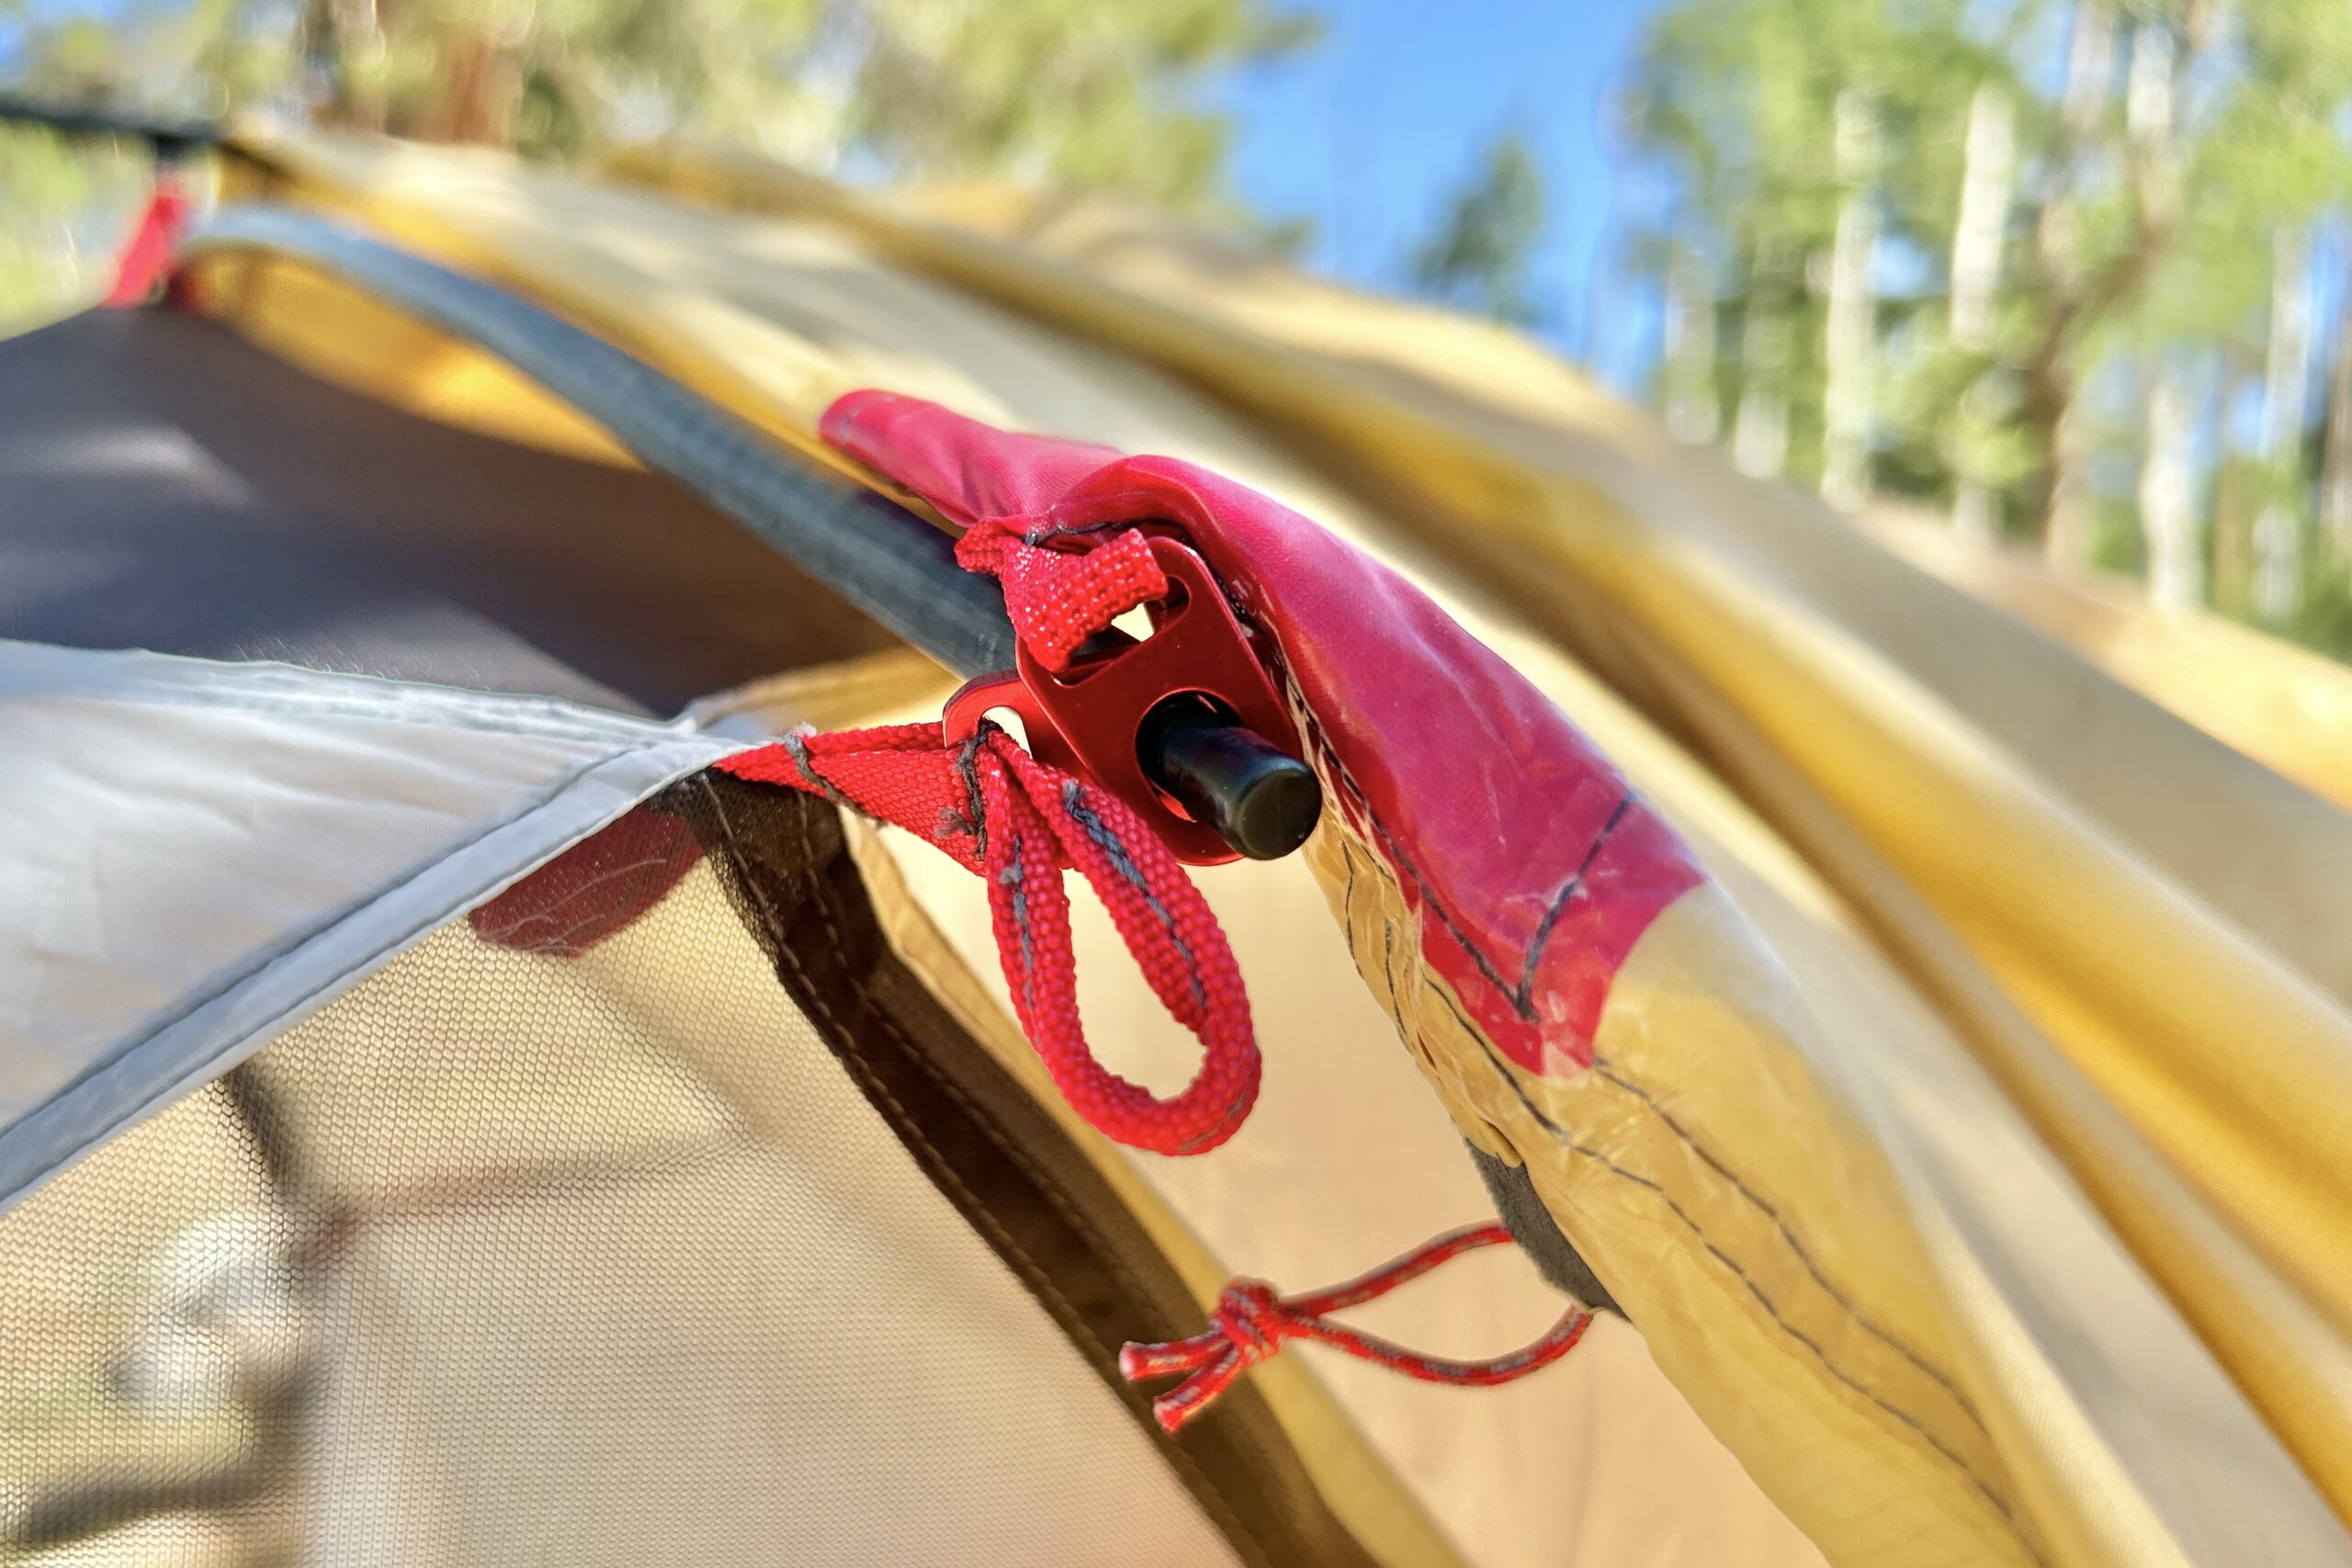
(2286,708)
(2026,929)
(1731,610)
(527,1233)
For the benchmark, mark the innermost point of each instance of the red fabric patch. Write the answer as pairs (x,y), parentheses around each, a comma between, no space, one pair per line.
(146,257)
(1532,867)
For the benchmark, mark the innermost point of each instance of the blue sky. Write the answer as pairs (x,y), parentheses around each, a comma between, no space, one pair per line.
(1369,132)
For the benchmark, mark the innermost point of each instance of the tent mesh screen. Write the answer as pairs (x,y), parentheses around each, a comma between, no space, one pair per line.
(553,1256)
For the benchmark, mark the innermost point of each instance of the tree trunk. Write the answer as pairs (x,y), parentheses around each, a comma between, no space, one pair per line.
(1988,181)
(2050,390)
(1988,175)
(341,41)
(2167,506)
(2069,509)
(1759,438)
(2279,532)
(1849,341)
(2335,461)
(1693,411)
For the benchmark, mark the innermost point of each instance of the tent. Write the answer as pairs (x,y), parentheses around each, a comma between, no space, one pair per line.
(460,1107)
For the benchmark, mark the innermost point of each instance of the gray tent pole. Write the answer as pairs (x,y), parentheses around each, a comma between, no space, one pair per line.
(877,555)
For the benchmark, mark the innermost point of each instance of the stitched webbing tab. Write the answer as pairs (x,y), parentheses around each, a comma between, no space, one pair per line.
(1019,824)
(1057,598)
(1251,1322)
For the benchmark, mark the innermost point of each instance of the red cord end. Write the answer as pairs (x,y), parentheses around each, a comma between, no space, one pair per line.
(1251,1322)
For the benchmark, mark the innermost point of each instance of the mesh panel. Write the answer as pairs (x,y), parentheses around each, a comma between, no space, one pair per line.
(506,1257)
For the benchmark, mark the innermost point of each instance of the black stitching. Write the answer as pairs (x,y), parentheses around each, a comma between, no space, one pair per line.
(796,744)
(1607,1072)
(1074,803)
(1651,1185)
(1805,1256)
(1517,994)
(1561,1135)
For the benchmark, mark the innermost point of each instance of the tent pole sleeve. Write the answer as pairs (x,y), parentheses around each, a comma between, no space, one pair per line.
(877,555)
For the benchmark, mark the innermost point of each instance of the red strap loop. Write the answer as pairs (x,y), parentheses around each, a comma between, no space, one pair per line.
(1251,1322)
(1057,598)
(1020,824)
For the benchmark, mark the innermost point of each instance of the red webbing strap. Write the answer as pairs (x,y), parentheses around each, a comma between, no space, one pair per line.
(1056,597)
(1019,823)
(1251,1323)
(146,258)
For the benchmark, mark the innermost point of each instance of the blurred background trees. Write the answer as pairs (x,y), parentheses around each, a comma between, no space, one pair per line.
(2070,273)
(1085,95)
(2056,267)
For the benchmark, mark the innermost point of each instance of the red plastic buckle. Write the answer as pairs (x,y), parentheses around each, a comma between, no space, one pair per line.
(1088,718)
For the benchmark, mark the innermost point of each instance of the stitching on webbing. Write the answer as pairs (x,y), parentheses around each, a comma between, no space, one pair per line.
(1074,803)
(1030,1269)
(1517,994)
(1713,1162)
(1609,1074)
(1569,1141)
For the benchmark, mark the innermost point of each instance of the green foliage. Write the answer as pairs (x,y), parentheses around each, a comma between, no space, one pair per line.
(1094,94)
(1478,256)
(2324,621)
(2141,225)
(59,205)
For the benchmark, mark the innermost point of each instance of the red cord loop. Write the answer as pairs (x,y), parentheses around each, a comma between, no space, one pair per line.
(1251,1323)
(1020,824)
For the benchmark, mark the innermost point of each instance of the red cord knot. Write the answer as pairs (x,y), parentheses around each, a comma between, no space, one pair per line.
(1251,1323)
(1249,1314)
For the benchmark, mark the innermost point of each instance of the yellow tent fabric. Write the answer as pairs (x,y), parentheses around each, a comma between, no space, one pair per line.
(2063,1009)
(2285,708)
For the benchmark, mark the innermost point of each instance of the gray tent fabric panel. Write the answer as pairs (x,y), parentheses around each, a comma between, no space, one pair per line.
(172,486)
(203,853)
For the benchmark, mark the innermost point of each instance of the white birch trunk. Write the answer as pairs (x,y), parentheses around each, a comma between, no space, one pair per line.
(1849,345)
(1988,175)
(2167,510)
(2335,461)
(2090,63)
(2279,532)
(1759,436)
(2090,57)
(1691,411)
(1987,186)
(2169,521)
(2148,89)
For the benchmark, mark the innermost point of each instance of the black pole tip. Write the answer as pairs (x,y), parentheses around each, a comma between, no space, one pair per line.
(1260,799)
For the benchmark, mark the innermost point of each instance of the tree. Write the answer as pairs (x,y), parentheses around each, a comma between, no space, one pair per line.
(1090,95)
(2101,219)
(1478,255)
(61,202)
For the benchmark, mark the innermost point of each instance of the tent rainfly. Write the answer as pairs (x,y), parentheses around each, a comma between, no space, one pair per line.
(538,1023)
